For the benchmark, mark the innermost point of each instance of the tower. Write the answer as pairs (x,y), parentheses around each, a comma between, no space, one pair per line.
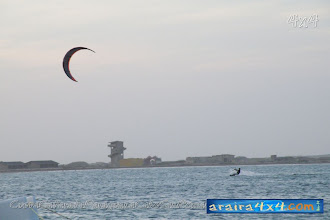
(116,152)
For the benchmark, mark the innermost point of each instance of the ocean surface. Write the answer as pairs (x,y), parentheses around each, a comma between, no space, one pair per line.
(166,193)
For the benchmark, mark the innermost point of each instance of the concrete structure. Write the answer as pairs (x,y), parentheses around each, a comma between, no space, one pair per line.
(273,157)
(286,159)
(241,159)
(18,165)
(116,152)
(198,160)
(172,163)
(131,162)
(215,159)
(41,164)
(12,165)
(224,158)
(151,161)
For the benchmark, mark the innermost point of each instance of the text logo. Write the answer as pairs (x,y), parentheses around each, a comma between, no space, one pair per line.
(264,206)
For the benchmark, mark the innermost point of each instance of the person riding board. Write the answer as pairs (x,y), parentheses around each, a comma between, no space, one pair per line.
(238,171)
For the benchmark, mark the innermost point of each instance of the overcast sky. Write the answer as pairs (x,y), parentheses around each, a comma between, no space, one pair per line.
(169,78)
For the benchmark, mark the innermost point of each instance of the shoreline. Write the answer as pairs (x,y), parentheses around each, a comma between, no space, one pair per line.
(155,166)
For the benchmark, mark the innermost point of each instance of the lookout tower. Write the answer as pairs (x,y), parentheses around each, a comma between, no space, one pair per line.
(117,152)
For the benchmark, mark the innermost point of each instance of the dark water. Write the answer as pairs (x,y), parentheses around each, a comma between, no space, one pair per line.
(167,193)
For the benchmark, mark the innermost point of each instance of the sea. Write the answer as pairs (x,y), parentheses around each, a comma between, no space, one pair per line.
(166,193)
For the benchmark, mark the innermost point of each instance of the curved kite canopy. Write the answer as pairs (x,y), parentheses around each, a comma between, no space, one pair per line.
(66,60)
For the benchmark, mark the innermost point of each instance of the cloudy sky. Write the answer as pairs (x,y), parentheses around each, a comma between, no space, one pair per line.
(169,78)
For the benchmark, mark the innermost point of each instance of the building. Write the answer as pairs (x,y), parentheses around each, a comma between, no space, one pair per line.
(151,161)
(131,162)
(41,164)
(12,165)
(241,159)
(116,152)
(273,157)
(286,159)
(223,158)
(215,159)
(198,160)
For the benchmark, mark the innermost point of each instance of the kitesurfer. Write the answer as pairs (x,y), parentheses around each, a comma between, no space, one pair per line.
(238,171)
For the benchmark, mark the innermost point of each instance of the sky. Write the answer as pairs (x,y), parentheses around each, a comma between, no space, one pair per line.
(170,78)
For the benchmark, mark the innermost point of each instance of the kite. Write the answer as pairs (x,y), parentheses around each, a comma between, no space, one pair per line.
(66,60)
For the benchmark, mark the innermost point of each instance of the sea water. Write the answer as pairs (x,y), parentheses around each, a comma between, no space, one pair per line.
(166,193)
